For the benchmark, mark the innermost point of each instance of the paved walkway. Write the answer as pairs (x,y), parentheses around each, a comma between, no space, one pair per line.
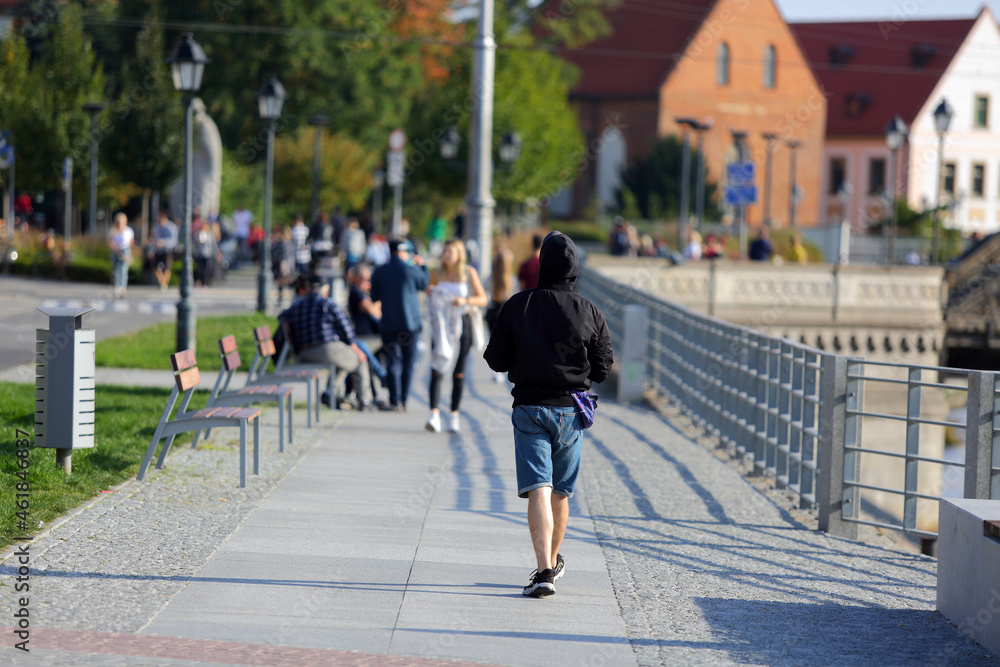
(374,542)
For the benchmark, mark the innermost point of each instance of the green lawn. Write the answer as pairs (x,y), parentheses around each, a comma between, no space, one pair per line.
(150,348)
(124,423)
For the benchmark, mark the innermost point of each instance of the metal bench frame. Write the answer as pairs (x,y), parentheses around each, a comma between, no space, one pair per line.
(308,376)
(258,393)
(186,379)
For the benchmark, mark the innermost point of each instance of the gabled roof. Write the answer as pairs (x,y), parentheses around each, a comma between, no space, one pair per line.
(648,37)
(873,70)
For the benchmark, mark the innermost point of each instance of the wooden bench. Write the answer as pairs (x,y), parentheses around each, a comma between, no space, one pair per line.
(186,379)
(260,375)
(257,393)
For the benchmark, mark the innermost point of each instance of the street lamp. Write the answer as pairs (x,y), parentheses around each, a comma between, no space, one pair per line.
(685,206)
(187,64)
(770,138)
(378,180)
(895,135)
(479,198)
(94,109)
(942,120)
(319,121)
(793,186)
(510,147)
(450,143)
(700,130)
(270,99)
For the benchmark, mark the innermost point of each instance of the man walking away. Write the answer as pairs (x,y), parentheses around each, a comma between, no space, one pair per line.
(551,341)
(397,284)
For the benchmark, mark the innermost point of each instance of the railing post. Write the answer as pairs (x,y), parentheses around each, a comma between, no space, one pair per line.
(833,414)
(980,420)
(635,328)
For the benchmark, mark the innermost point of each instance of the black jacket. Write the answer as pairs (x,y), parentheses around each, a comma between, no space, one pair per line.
(550,339)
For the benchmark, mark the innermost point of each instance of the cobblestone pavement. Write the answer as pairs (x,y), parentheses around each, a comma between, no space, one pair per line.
(706,568)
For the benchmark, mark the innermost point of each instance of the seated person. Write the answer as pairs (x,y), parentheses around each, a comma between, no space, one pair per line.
(321,333)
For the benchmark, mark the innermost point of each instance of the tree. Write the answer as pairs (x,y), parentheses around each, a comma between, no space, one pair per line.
(531,98)
(337,57)
(45,114)
(144,142)
(655,180)
(345,170)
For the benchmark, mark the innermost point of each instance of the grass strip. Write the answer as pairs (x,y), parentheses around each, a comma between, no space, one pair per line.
(150,348)
(125,419)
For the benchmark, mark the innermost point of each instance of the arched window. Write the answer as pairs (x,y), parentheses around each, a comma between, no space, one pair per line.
(722,65)
(770,65)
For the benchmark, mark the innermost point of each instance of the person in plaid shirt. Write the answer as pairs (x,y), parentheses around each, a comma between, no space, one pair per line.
(322,333)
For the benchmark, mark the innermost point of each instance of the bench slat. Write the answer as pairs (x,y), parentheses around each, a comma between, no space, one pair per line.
(231,361)
(247,413)
(188,379)
(227,344)
(183,360)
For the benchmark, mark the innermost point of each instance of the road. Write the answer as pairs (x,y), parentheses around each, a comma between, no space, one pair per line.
(145,305)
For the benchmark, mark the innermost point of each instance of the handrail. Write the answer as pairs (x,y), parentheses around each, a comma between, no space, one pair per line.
(796,412)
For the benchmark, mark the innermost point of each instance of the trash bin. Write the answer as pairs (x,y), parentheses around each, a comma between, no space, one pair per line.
(64,384)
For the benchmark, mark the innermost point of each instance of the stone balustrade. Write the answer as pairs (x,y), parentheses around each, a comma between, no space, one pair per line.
(882,313)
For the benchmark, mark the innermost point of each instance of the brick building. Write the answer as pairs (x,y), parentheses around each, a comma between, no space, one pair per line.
(735,62)
(875,70)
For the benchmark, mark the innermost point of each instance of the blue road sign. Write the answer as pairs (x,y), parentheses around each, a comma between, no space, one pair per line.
(741,195)
(740,173)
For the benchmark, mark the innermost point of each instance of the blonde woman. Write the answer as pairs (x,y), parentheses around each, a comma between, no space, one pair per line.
(121,241)
(454,287)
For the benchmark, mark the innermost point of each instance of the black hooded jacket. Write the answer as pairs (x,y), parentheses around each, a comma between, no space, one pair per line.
(550,339)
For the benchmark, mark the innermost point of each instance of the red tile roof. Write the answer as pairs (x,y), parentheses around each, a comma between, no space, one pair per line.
(635,59)
(878,78)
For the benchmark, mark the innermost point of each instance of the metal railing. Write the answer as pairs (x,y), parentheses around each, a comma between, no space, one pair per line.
(797,412)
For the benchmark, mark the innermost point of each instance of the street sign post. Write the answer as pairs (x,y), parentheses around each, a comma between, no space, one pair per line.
(394,176)
(741,192)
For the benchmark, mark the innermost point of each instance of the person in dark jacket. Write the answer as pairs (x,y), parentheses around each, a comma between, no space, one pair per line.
(551,342)
(397,284)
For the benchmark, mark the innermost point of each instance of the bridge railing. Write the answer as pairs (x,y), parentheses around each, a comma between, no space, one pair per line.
(799,414)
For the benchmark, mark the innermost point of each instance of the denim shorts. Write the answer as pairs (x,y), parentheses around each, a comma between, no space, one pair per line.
(547,444)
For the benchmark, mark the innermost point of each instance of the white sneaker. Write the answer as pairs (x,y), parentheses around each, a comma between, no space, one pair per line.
(434,422)
(453,424)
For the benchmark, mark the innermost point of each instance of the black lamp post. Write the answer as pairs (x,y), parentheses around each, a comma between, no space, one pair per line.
(685,204)
(793,186)
(770,138)
(94,109)
(319,121)
(270,99)
(942,120)
(450,143)
(187,64)
(510,147)
(895,135)
(378,180)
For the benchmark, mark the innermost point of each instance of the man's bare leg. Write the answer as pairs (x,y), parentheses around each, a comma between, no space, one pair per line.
(540,524)
(560,518)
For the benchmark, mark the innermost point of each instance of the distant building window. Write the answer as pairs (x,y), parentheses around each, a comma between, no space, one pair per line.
(921,55)
(770,67)
(722,66)
(856,103)
(838,174)
(978,179)
(876,176)
(840,54)
(948,179)
(982,111)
